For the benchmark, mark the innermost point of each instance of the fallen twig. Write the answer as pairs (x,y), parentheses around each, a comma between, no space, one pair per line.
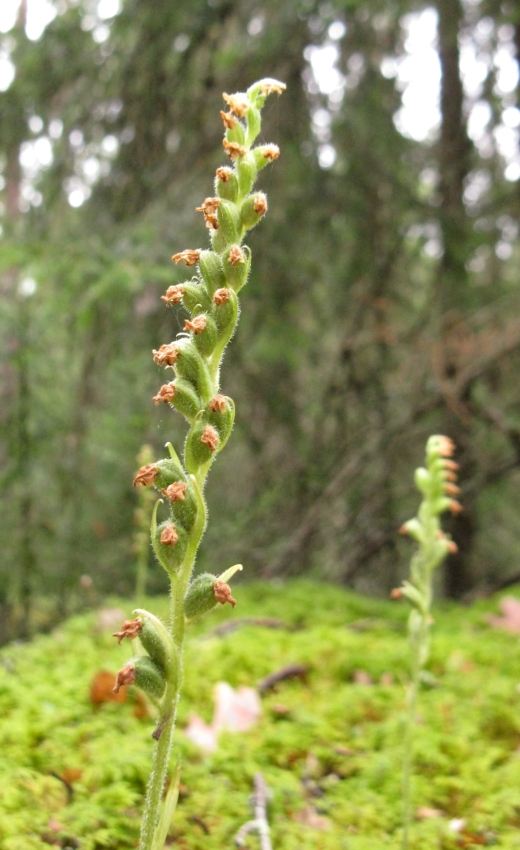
(260,823)
(291,671)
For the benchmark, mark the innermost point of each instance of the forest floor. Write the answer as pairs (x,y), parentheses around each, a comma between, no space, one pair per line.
(328,742)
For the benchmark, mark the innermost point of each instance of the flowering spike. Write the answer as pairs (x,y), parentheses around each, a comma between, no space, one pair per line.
(436,483)
(211,301)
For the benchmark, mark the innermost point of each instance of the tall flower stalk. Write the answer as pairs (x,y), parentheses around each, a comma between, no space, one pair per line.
(437,484)
(195,356)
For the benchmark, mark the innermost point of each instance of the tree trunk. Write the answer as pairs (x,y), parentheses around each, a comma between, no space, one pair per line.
(453,159)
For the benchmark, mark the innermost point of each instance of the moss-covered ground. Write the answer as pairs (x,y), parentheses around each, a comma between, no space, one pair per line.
(329,745)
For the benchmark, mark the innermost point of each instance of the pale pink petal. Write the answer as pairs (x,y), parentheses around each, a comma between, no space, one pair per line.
(235,710)
(510,619)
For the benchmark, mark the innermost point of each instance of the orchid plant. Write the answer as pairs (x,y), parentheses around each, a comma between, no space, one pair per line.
(437,483)
(210,299)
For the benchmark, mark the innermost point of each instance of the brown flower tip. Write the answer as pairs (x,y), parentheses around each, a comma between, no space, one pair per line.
(167,354)
(209,205)
(403,529)
(210,438)
(175,492)
(233,149)
(452,546)
(166,393)
(396,593)
(209,208)
(238,103)
(236,256)
(260,205)
(271,152)
(169,536)
(446,446)
(221,296)
(450,464)
(449,475)
(188,256)
(130,629)
(222,593)
(272,87)
(218,404)
(173,294)
(229,119)
(196,325)
(224,173)
(146,475)
(126,676)
(451,489)
(455,507)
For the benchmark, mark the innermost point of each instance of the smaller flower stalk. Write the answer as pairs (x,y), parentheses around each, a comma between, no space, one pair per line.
(210,299)
(437,484)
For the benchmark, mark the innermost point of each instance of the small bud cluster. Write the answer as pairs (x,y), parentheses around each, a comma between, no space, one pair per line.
(149,672)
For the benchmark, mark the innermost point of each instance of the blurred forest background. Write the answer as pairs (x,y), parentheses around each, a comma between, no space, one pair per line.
(383,306)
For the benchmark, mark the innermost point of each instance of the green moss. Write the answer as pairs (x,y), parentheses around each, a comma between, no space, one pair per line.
(329,748)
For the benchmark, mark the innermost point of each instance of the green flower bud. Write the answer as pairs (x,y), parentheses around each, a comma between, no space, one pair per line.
(423,480)
(169,544)
(415,529)
(183,504)
(158,643)
(258,92)
(168,471)
(413,595)
(237,263)
(202,444)
(247,170)
(148,676)
(226,184)
(229,225)
(236,133)
(195,296)
(204,594)
(212,271)
(225,311)
(190,365)
(253,210)
(206,339)
(186,400)
(264,154)
(221,414)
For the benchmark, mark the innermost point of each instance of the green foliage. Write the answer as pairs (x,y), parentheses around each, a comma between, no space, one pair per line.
(326,745)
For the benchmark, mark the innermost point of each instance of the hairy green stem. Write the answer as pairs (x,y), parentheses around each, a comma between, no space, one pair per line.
(161,760)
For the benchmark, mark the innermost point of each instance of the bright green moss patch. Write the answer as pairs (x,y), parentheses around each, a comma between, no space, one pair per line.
(328,745)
